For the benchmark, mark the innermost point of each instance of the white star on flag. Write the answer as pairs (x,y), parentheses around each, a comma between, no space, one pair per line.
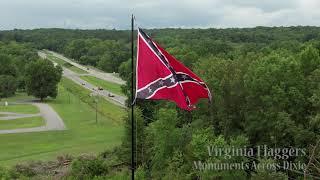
(172,80)
(161,82)
(184,77)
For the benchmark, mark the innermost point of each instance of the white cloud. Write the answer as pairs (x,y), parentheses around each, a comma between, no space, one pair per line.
(91,14)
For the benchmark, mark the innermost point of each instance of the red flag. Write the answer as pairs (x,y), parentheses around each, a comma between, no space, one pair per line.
(160,76)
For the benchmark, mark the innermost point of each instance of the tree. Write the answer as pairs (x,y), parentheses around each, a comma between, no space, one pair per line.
(8,73)
(8,85)
(309,59)
(275,100)
(6,66)
(106,63)
(42,79)
(225,80)
(75,49)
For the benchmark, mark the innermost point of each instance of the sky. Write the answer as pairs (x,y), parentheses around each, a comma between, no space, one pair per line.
(109,14)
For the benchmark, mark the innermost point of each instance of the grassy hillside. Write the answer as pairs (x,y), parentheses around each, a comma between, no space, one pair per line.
(83,134)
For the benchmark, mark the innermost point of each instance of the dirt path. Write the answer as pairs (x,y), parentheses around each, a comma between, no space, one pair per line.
(53,121)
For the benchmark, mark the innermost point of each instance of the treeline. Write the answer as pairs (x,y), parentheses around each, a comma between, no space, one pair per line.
(107,49)
(104,54)
(103,49)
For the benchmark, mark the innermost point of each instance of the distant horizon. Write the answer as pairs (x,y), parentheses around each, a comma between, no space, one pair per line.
(152,28)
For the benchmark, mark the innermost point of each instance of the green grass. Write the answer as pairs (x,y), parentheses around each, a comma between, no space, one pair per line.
(66,64)
(20,108)
(77,70)
(18,97)
(83,134)
(57,60)
(22,123)
(112,87)
(105,107)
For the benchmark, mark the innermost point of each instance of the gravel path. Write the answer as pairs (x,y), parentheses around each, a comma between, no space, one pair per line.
(53,121)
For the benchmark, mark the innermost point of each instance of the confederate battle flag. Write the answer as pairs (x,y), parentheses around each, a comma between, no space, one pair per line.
(160,76)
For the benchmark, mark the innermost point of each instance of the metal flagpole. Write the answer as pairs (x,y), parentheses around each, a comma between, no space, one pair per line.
(132,103)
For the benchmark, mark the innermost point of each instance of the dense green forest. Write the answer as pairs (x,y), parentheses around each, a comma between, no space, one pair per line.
(107,49)
(265,83)
(13,59)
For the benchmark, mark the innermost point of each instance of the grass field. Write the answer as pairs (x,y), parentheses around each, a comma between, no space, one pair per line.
(77,70)
(19,96)
(22,123)
(112,87)
(20,108)
(66,64)
(53,58)
(83,134)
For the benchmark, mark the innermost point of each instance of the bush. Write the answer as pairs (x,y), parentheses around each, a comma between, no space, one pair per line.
(88,167)
(25,170)
(4,173)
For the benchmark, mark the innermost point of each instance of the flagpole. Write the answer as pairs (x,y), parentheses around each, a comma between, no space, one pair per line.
(132,103)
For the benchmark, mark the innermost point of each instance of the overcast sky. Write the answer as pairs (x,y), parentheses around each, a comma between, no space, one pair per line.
(97,14)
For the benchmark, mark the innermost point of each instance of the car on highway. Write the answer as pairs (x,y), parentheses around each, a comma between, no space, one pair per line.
(83,84)
(110,95)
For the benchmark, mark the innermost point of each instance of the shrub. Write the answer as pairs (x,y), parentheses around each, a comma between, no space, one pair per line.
(88,167)
(4,173)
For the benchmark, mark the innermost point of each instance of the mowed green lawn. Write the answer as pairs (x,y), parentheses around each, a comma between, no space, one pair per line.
(22,123)
(76,69)
(19,108)
(65,64)
(53,58)
(83,134)
(19,96)
(112,87)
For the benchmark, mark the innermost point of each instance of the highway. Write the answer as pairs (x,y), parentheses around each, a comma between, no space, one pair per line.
(116,99)
(101,75)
